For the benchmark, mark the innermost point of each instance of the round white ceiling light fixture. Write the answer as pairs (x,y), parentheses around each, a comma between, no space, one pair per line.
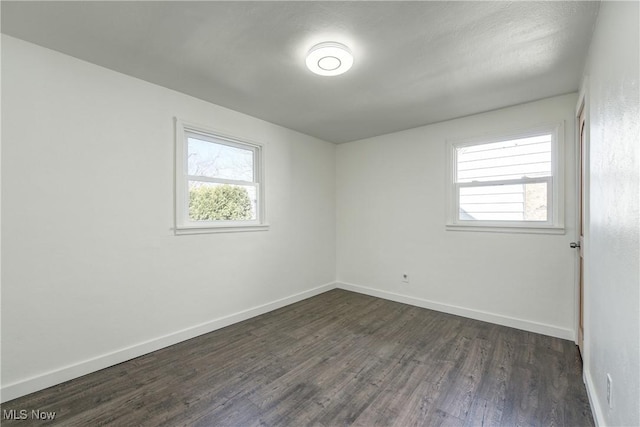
(329,59)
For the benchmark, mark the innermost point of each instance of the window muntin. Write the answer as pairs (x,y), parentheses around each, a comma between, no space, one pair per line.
(510,181)
(218,181)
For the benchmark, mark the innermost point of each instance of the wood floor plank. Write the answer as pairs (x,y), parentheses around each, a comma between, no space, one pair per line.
(337,359)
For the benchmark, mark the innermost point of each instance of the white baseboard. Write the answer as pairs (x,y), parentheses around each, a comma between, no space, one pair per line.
(512,322)
(48,379)
(596,408)
(66,373)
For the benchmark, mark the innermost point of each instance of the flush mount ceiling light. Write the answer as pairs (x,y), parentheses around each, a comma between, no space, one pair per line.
(329,59)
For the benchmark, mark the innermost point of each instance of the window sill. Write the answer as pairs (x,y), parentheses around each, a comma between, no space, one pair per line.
(507,229)
(181,231)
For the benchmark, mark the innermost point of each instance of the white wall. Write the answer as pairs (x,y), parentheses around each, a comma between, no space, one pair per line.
(391,219)
(90,263)
(612,282)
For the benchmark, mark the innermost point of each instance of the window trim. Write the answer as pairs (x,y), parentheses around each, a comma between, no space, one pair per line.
(182,224)
(555,187)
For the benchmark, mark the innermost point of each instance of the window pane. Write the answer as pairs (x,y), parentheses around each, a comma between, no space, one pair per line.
(513,159)
(205,158)
(518,202)
(535,202)
(222,202)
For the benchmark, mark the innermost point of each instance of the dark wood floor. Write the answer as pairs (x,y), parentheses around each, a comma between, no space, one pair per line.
(337,359)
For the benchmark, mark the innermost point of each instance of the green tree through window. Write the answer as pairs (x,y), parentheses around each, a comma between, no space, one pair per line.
(221,202)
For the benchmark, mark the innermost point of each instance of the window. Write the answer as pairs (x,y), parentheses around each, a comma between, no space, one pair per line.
(508,183)
(219,185)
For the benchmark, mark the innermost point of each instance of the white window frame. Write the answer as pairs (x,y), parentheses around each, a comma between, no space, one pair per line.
(183,225)
(555,185)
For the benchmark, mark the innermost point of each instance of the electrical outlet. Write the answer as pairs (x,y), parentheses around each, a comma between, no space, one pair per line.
(405,278)
(609,391)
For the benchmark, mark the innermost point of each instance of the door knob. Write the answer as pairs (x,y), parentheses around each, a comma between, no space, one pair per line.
(574,245)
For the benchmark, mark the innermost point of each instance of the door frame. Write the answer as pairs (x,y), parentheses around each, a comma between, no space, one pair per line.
(582,106)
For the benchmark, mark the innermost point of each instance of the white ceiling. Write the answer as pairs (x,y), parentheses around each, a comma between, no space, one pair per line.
(415,62)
